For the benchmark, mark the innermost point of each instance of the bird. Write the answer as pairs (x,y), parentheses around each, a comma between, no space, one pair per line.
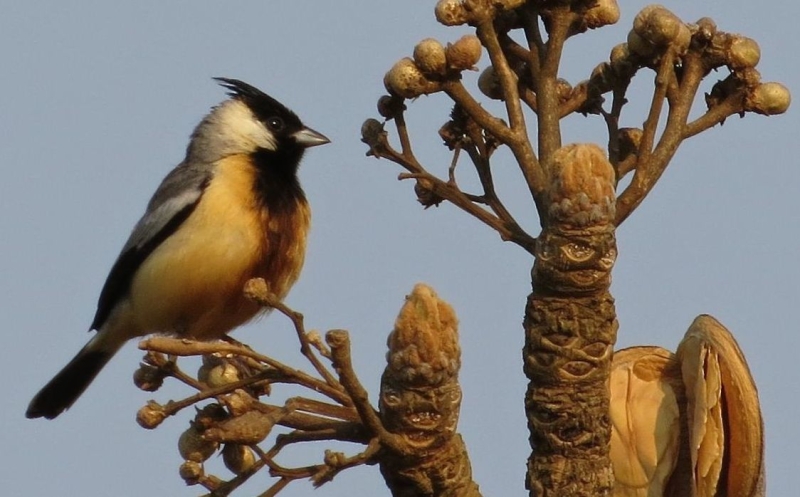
(232,210)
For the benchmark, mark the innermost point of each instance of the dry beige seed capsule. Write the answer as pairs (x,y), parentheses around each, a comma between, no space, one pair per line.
(603,13)
(464,53)
(151,415)
(430,58)
(193,447)
(769,99)
(238,458)
(619,53)
(743,53)
(221,375)
(451,13)
(489,85)
(661,27)
(191,472)
(639,46)
(406,80)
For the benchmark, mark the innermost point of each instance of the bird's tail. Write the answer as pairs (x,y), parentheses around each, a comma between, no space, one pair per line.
(65,388)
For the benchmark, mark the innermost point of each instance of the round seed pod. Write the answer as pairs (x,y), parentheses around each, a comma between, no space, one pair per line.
(619,54)
(406,80)
(151,415)
(193,447)
(661,27)
(220,375)
(769,99)
(451,13)
(743,53)
(148,378)
(603,13)
(238,458)
(191,472)
(489,85)
(389,106)
(639,46)
(464,53)
(430,58)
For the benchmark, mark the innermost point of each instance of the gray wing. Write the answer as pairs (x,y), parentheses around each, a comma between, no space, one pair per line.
(172,203)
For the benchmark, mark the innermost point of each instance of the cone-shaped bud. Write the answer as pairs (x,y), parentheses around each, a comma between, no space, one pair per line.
(582,194)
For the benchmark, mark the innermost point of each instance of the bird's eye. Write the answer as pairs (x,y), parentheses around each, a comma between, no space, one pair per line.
(275,123)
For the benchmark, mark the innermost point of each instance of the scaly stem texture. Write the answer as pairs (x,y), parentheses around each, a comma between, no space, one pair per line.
(570,330)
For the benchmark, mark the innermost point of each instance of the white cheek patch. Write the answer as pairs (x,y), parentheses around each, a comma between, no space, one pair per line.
(242,127)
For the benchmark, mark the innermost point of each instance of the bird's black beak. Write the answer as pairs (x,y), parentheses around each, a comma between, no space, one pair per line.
(307,137)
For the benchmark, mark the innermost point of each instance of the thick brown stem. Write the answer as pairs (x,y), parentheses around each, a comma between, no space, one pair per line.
(567,359)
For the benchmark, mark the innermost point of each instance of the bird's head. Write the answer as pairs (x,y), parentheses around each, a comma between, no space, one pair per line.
(251,122)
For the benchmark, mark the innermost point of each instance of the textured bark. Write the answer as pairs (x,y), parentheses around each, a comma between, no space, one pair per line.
(570,330)
(568,350)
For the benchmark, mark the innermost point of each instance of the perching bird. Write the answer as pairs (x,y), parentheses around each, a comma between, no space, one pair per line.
(231,211)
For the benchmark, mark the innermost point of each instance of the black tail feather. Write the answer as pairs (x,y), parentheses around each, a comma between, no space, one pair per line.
(65,388)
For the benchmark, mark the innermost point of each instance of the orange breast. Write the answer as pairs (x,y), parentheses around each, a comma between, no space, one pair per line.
(191,285)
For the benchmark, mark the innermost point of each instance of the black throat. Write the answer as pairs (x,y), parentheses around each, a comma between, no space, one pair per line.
(278,187)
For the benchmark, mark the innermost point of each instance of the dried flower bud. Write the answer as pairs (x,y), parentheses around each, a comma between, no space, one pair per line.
(563,89)
(193,447)
(451,13)
(619,54)
(464,53)
(489,84)
(743,53)
(151,415)
(372,132)
(220,375)
(705,29)
(603,76)
(661,27)
(238,458)
(769,99)
(639,46)
(390,106)
(430,58)
(148,378)
(425,194)
(406,80)
(238,402)
(191,472)
(602,13)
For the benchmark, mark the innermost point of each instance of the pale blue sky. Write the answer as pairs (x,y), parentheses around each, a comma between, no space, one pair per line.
(98,100)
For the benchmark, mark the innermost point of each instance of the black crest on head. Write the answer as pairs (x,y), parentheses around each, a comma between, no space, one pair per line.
(262,105)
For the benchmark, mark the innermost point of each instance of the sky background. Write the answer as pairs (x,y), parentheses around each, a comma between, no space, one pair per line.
(97,101)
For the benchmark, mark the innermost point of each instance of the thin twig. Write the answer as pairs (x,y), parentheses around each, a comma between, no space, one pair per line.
(257,292)
(339,342)
(182,347)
